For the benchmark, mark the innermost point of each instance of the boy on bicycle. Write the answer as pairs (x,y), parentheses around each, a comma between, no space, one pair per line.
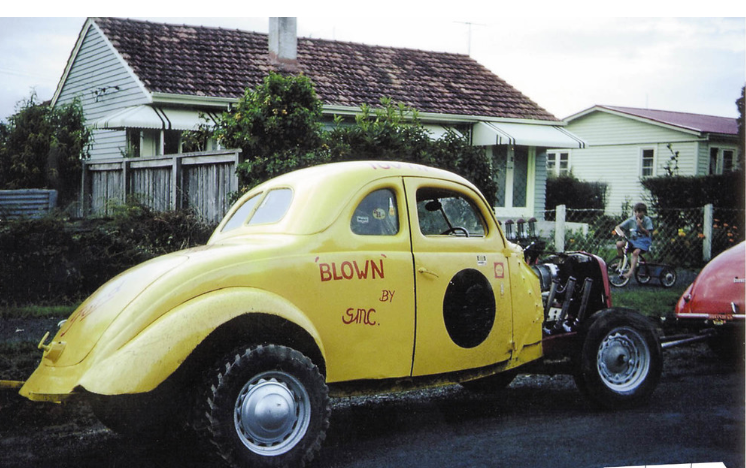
(638,230)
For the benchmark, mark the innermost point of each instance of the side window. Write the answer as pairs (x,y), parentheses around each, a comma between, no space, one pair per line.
(376,215)
(273,207)
(443,212)
(242,214)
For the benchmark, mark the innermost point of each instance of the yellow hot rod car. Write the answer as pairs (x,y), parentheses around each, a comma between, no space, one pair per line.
(340,279)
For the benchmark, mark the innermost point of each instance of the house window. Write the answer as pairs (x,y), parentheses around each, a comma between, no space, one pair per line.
(648,163)
(728,161)
(558,164)
(515,173)
(133,143)
(171,142)
(722,160)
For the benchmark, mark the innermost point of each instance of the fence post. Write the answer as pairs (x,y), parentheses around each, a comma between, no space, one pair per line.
(707,231)
(559,229)
(175,182)
(125,179)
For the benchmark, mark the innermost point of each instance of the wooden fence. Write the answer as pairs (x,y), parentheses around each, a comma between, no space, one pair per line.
(26,203)
(202,182)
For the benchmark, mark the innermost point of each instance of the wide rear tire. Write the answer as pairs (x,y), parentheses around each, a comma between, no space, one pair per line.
(267,406)
(621,360)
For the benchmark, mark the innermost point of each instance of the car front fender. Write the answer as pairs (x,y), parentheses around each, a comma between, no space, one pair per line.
(155,353)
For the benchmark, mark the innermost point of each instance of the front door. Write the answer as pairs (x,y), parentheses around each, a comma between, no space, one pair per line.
(462,283)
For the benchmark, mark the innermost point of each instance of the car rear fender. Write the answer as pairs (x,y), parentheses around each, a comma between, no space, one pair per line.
(156,352)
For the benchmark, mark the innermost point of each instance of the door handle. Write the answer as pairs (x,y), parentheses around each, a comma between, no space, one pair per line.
(427,272)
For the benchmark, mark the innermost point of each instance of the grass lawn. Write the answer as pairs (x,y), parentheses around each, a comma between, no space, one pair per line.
(653,301)
(33,311)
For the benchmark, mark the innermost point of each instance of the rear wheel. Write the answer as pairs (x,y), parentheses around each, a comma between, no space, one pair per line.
(642,274)
(667,277)
(621,360)
(267,406)
(616,268)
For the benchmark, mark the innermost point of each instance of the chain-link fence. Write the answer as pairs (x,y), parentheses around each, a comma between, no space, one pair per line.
(681,237)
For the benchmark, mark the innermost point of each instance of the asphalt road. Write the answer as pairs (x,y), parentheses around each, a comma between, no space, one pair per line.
(696,416)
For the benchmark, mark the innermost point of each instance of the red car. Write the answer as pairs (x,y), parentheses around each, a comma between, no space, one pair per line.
(716,300)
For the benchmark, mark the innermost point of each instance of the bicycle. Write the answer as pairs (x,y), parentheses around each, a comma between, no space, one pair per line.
(645,271)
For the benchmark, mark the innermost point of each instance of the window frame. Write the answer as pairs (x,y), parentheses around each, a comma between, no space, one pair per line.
(652,160)
(555,158)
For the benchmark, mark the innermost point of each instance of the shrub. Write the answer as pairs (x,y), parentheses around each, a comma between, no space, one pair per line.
(574,194)
(53,260)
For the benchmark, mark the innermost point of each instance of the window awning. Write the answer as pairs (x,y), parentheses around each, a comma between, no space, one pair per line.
(544,136)
(153,117)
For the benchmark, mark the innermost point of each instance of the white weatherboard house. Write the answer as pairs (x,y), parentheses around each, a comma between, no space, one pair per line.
(141,84)
(627,144)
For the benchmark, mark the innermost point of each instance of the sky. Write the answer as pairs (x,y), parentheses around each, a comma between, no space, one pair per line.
(564,63)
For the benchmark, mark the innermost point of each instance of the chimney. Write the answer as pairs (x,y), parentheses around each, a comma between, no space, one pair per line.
(283,43)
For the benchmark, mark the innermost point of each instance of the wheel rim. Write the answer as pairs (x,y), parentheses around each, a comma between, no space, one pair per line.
(615,270)
(669,278)
(623,360)
(272,413)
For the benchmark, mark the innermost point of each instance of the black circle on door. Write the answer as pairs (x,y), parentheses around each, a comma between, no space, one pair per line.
(469,308)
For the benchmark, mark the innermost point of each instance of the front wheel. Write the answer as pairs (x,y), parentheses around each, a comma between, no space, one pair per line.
(621,360)
(267,406)
(615,268)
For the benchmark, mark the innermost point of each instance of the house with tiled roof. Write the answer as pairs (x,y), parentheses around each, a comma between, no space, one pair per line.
(142,83)
(626,144)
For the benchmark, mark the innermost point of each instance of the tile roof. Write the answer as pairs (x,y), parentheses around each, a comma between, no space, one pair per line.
(698,122)
(216,62)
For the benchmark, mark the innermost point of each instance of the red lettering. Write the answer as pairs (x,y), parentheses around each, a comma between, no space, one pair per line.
(334,272)
(361,274)
(348,317)
(376,269)
(350,269)
(359,316)
(326,274)
(347,273)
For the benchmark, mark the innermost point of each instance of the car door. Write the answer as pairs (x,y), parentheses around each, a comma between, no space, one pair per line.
(365,287)
(462,285)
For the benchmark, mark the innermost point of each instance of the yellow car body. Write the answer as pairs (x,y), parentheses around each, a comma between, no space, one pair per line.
(338,260)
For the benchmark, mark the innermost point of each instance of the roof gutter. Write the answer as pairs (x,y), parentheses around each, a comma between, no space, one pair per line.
(223,103)
(432,117)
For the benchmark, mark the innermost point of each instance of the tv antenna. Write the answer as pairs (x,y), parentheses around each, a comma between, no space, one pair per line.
(470,24)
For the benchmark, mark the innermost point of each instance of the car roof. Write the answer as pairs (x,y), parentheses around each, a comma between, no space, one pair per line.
(320,192)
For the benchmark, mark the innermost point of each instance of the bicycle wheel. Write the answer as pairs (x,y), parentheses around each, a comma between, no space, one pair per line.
(616,268)
(642,274)
(668,277)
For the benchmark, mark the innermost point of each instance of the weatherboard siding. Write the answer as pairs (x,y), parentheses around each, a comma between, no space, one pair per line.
(97,66)
(614,154)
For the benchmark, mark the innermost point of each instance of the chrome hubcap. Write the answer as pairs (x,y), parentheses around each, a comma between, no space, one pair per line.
(272,413)
(623,360)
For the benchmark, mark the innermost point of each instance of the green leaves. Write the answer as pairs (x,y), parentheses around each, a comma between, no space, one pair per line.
(279,128)
(41,147)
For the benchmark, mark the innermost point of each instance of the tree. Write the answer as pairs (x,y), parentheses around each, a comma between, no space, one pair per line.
(42,147)
(394,132)
(277,126)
